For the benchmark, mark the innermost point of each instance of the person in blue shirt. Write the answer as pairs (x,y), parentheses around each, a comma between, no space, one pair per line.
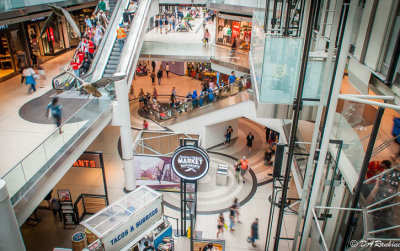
(232,77)
(201,100)
(210,95)
(194,96)
(55,110)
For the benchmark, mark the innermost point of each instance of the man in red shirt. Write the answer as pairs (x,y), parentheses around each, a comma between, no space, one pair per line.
(81,56)
(76,66)
(244,164)
(91,49)
(376,167)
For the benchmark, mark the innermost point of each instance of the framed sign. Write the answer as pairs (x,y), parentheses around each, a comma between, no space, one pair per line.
(190,162)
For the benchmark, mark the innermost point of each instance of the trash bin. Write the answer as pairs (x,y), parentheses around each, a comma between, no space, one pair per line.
(78,241)
(222,175)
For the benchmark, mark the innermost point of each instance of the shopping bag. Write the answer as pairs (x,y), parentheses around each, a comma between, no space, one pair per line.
(225,226)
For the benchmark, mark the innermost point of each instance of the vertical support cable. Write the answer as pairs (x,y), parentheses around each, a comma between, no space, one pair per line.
(297,104)
(361,178)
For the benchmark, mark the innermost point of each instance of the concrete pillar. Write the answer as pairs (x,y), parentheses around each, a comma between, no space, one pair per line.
(121,117)
(10,236)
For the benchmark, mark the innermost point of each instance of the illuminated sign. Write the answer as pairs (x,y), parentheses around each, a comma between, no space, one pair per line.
(37,19)
(91,160)
(190,162)
(87,10)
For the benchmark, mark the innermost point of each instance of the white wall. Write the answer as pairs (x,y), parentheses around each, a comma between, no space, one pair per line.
(215,134)
(197,125)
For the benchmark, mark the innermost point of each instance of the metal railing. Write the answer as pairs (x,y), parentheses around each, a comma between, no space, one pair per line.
(34,165)
(200,101)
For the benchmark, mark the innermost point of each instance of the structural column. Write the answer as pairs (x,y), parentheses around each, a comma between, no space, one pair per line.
(10,236)
(122,118)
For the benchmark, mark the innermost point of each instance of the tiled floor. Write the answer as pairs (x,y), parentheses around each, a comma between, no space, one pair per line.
(23,136)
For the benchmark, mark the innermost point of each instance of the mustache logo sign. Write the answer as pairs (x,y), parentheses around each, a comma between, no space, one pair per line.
(190,162)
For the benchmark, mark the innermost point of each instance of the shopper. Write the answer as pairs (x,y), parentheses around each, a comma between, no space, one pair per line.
(228,135)
(237,206)
(42,75)
(268,156)
(267,133)
(232,218)
(232,77)
(55,110)
(166,24)
(155,93)
(159,76)
(107,7)
(153,77)
(148,247)
(244,165)
(238,169)
(153,65)
(98,35)
(121,35)
(167,69)
(206,36)
(156,23)
(254,232)
(76,66)
(145,125)
(29,74)
(221,224)
(376,167)
(21,69)
(249,140)
(273,137)
(102,6)
(85,66)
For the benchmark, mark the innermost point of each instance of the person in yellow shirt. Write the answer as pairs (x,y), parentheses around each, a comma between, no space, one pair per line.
(121,35)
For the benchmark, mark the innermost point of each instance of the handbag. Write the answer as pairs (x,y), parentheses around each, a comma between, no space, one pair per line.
(225,226)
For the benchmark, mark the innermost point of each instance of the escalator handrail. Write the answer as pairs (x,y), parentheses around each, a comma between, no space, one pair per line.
(99,49)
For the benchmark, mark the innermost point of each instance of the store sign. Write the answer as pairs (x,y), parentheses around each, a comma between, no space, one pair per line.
(235,29)
(38,19)
(120,237)
(190,162)
(3,27)
(87,10)
(89,159)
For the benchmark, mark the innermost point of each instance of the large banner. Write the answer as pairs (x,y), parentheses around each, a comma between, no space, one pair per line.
(156,172)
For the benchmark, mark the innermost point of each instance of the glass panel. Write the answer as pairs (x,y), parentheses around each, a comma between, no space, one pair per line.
(257,49)
(15,180)
(281,68)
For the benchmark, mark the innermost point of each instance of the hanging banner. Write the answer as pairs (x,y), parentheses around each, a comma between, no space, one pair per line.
(235,29)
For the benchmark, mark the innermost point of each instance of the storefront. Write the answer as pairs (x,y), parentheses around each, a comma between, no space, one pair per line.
(12,50)
(79,18)
(51,43)
(231,27)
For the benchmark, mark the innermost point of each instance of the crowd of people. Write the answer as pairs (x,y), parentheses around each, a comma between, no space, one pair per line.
(233,219)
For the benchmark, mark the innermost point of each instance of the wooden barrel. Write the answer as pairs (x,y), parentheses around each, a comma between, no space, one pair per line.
(91,237)
(78,241)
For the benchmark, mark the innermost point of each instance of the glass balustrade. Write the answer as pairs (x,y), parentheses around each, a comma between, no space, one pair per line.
(27,172)
(161,113)
(9,5)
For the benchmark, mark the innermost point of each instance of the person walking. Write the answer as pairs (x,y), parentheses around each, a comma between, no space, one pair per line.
(244,165)
(55,110)
(254,232)
(206,37)
(121,35)
(221,225)
(232,218)
(153,65)
(237,206)
(155,93)
(159,76)
(156,22)
(238,170)
(153,77)
(249,140)
(42,75)
(167,69)
(228,135)
(267,133)
(145,125)
(28,73)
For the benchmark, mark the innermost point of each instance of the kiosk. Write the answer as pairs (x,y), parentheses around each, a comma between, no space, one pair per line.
(128,223)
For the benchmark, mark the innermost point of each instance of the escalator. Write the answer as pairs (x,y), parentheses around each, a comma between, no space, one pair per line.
(50,160)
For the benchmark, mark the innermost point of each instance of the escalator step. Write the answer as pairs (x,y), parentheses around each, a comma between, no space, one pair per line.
(113,57)
(113,62)
(107,71)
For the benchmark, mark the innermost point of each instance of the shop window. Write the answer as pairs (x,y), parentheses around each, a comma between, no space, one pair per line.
(53,41)
(6,66)
(227,30)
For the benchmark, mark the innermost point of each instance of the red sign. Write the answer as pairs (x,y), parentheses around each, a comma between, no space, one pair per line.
(88,160)
(235,29)
(51,34)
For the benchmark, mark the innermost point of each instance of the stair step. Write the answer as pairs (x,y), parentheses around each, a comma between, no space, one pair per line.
(107,71)
(111,67)
(113,57)
(105,75)
(113,62)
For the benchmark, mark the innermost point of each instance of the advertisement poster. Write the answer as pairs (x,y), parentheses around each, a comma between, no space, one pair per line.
(156,172)
(235,29)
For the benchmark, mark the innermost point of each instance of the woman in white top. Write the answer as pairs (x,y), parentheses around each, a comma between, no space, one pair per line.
(98,34)
(29,74)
